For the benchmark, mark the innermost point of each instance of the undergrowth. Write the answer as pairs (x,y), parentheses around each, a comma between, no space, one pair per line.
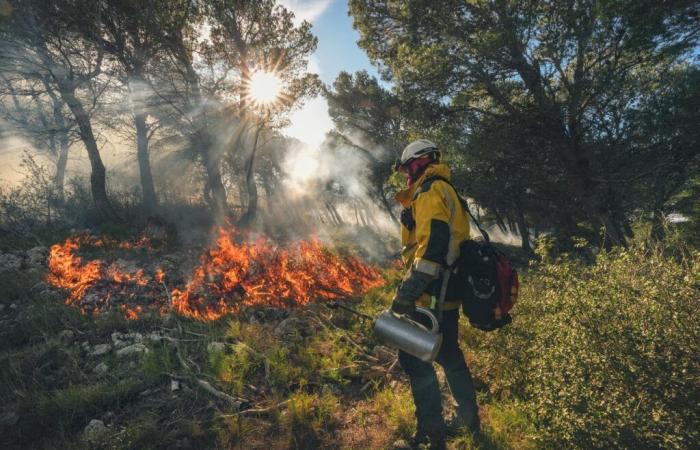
(600,354)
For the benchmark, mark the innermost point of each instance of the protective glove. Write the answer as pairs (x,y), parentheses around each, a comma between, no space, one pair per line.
(403,306)
(409,291)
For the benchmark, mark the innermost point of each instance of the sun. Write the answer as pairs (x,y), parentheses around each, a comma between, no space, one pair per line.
(264,87)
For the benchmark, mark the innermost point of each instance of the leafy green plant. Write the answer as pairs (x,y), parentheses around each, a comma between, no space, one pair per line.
(605,354)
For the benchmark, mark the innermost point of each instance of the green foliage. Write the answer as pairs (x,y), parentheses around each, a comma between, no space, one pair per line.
(395,406)
(564,116)
(157,362)
(604,355)
(306,416)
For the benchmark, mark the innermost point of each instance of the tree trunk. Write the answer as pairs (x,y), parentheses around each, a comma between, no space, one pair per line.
(251,187)
(658,225)
(217,199)
(62,150)
(148,192)
(97,172)
(214,190)
(385,203)
(522,229)
(61,163)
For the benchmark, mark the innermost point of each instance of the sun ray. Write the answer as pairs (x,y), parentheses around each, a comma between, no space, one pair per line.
(264,87)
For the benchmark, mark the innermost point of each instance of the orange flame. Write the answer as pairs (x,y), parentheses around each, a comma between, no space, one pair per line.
(230,275)
(66,270)
(260,273)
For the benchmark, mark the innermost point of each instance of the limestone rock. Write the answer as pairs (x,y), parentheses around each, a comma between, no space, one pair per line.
(133,349)
(155,337)
(40,287)
(101,369)
(94,430)
(216,347)
(119,340)
(100,349)
(8,262)
(66,335)
(37,256)
(292,329)
(135,337)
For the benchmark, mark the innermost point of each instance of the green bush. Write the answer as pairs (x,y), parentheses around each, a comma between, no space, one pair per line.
(604,355)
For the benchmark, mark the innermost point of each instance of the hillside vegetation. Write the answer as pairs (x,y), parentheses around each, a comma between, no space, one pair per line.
(600,354)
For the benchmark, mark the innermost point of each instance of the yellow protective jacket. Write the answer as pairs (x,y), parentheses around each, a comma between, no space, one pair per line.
(441,225)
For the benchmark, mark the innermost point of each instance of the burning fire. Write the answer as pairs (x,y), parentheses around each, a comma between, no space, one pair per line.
(232,274)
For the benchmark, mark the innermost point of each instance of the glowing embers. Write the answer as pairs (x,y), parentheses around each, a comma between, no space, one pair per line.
(232,274)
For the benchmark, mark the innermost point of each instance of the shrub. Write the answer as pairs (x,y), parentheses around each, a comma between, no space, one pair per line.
(307,416)
(606,354)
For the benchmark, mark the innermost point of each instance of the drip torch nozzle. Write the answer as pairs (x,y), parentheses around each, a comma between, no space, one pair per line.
(338,305)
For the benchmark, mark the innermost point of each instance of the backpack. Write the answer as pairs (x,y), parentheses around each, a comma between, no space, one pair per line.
(487,278)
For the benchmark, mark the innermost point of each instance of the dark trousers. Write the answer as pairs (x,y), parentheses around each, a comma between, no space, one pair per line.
(424,383)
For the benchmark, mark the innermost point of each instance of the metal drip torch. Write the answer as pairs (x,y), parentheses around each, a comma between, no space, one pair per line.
(403,333)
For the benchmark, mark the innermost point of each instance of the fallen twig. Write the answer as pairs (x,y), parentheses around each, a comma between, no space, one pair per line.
(344,335)
(235,402)
(252,412)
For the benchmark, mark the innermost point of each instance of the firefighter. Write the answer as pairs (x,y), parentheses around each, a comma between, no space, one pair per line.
(433,225)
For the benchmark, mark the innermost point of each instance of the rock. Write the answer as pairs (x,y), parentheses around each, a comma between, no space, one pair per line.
(292,329)
(216,347)
(9,419)
(401,444)
(119,340)
(94,430)
(136,337)
(50,295)
(66,335)
(90,301)
(40,287)
(155,337)
(37,256)
(101,369)
(109,417)
(100,349)
(174,385)
(13,306)
(8,262)
(133,349)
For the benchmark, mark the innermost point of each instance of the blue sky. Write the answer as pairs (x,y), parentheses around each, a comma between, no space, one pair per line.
(337,51)
(337,43)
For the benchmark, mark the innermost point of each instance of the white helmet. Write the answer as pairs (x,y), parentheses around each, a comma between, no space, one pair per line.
(416,149)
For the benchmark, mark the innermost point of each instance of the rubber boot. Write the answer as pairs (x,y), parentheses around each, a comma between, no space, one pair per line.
(429,436)
(464,420)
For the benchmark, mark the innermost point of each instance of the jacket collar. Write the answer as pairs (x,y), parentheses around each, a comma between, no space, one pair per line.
(435,170)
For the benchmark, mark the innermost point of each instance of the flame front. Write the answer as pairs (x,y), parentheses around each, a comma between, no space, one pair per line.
(66,271)
(232,274)
(259,273)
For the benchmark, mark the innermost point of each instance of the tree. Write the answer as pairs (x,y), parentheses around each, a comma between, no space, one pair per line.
(214,51)
(42,42)
(368,119)
(40,115)
(133,35)
(567,72)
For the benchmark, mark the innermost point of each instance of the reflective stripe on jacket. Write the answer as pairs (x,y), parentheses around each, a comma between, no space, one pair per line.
(441,225)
